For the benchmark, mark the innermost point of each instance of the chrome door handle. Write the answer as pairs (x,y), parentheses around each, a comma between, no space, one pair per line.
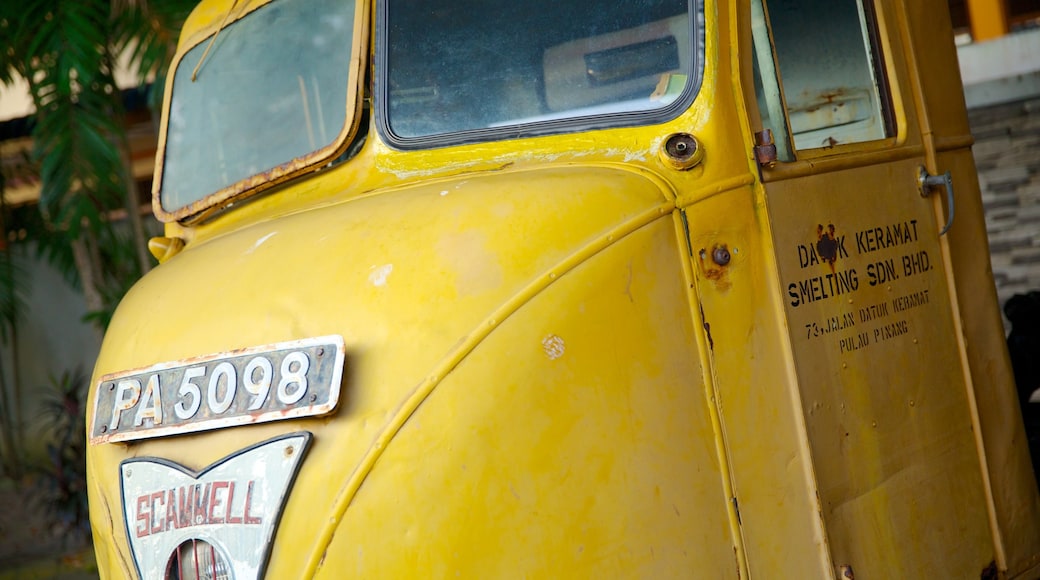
(926,182)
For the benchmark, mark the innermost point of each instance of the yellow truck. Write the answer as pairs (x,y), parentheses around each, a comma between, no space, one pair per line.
(547,289)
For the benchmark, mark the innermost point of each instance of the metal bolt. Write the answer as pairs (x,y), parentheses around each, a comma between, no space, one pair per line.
(720,255)
(681,151)
(321,351)
(681,146)
(104,428)
(314,398)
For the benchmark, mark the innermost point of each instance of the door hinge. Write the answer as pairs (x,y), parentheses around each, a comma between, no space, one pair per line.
(765,148)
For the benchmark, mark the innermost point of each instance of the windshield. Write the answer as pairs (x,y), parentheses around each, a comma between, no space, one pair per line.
(455,71)
(271,97)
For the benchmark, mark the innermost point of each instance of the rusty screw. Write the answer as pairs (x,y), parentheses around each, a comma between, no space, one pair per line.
(681,146)
(720,255)
(681,151)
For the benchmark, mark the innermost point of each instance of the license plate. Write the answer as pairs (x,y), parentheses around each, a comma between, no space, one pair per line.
(285,380)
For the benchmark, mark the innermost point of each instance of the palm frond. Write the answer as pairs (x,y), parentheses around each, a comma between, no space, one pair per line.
(147,31)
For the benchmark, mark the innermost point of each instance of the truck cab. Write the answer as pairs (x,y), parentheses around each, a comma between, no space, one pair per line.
(642,288)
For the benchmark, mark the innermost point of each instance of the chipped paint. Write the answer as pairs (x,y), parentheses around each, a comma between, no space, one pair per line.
(505,161)
(379,274)
(554,346)
(494,164)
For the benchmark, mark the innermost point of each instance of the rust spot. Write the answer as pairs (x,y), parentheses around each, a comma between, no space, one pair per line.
(765,148)
(707,328)
(830,96)
(321,561)
(681,151)
(827,244)
(711,269)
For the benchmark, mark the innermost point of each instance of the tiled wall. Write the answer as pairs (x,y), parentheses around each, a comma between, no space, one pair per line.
(1007,153)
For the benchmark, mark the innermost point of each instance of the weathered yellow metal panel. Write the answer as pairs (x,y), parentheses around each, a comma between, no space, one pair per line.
(1014,489)
(943,121)
(753,383)
(565,354)
(525,482)
(880,380)
(470,256)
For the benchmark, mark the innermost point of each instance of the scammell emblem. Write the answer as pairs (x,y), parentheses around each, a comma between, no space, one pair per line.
(221,519)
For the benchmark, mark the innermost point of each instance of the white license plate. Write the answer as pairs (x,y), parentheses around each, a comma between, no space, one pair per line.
(285,380)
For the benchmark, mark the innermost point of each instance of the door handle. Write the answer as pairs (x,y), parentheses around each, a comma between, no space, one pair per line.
(926,182)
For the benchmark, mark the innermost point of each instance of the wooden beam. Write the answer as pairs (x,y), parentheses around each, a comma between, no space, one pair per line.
(988,19)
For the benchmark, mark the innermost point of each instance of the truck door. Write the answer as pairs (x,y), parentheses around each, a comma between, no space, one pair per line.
(890,415)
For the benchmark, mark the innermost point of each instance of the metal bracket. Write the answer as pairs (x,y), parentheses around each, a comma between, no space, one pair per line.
(926,182)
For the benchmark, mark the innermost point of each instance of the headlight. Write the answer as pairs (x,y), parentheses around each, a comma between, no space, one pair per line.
(197,560)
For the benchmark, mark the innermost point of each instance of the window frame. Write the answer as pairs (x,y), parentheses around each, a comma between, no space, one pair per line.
(273,176)
(878,59)
(566,125)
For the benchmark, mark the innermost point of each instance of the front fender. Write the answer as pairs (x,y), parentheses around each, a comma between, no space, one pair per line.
(409,277)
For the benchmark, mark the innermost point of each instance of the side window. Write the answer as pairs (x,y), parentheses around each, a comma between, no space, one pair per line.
(818,73)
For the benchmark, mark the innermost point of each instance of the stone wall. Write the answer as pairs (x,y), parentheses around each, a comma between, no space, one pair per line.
(1007,153)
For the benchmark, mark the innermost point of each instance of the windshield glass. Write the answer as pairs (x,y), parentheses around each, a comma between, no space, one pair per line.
(477,69)
(271,91)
